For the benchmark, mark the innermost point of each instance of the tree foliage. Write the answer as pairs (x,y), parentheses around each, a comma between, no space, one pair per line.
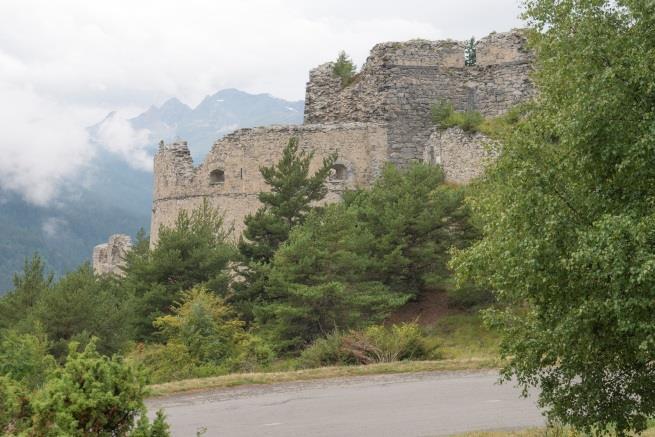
(344,68)
(90,394)
(18,304)
(292,192)
(81,306)
(568,218)
(196,251)
(470,52)
(350,264)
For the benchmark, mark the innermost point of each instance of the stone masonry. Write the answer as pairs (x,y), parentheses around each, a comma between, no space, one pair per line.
(108,258)
(382,117)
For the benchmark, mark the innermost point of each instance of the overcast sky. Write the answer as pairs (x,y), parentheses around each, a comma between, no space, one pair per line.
(65,64)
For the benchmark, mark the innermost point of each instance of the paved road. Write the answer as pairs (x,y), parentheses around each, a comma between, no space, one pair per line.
(424,404)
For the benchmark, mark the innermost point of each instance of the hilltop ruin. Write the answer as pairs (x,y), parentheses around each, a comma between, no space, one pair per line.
(383,116)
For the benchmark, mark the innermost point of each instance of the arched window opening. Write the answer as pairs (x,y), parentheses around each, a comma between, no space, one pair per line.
(339,172)
(216,176)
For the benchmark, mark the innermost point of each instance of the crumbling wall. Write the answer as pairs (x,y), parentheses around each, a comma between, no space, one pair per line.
(109,258)
(462,155)
(400,82)
(361,147)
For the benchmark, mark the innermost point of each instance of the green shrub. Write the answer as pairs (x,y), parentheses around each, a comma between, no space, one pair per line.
(469,121)
(344,68)
(203,338)
(442,112)
(445,116)
(14,406)
(25,358)
(326,351)
(92,395)
(254,353)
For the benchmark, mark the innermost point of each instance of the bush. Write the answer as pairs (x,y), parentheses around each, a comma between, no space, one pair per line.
(326,351)
(375,344)
(92,394)
(442,112)
(14,406)
(25,358)
(203,338)
(445,116)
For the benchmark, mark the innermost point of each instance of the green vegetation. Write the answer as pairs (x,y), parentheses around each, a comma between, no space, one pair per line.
(345,69)
(89,394)
(196,251)
(350,264)
(470,51)
(562,232)
(287,205)
(445,116)
(567,219)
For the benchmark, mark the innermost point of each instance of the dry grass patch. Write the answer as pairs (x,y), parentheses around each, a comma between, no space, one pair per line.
(237,379)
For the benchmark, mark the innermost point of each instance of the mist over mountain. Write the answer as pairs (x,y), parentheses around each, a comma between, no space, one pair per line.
(215,116)
(113,194)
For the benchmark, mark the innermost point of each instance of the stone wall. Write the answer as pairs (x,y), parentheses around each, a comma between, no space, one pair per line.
(462,155)
(382,116)
(108,258)
(400,81)
(230,179)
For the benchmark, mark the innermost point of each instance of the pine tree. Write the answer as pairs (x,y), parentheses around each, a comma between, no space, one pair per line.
(345,68)
(470,52)
(287,204)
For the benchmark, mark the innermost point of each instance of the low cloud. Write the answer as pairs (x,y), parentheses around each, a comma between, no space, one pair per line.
(117,135)
(42,144)
(65,64)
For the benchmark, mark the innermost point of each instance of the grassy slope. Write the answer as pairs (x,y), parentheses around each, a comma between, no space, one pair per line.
(465,345)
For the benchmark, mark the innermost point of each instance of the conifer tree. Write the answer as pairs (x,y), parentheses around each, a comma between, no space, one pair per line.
(286,205)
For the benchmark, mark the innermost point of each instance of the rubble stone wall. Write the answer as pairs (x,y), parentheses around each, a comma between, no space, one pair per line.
(361,148)
(401,81)
(108,258)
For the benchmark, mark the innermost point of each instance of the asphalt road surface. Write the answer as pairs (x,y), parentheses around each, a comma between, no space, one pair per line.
(423,404)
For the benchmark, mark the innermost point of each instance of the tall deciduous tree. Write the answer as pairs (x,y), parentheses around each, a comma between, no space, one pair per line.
(568,214)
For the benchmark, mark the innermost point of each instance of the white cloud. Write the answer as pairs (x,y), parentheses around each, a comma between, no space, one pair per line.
(117,135)
(42,144)
(65,64)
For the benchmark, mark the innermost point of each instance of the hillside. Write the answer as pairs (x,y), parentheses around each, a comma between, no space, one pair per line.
(112,196)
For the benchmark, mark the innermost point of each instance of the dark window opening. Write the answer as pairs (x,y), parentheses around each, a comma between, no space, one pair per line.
(216,177)
(339,172)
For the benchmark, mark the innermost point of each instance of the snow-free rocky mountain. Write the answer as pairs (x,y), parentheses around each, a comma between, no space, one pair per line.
(113,196)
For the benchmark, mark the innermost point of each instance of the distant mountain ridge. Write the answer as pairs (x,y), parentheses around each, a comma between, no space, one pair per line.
(215,116)
(116,197)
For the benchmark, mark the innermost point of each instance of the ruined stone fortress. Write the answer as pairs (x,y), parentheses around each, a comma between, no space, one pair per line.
(382,117)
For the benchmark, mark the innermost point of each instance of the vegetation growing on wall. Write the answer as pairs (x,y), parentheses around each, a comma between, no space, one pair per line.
(444,116)
(345,69)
